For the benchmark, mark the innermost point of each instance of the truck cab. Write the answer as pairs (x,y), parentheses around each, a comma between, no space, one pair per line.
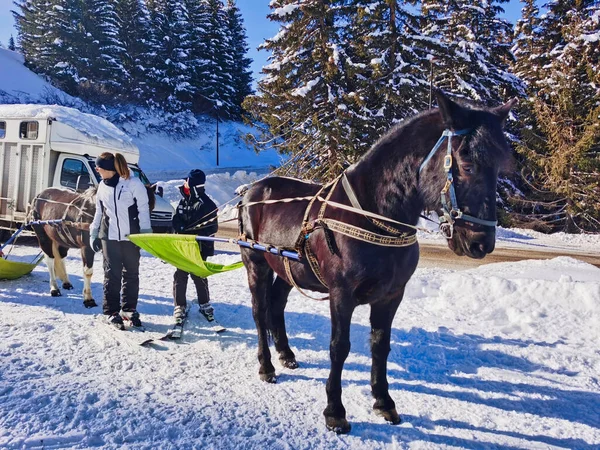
(45,146)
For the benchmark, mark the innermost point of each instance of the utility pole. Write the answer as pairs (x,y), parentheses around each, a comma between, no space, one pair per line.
(218,104)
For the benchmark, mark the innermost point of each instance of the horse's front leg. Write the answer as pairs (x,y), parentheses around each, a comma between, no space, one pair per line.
(382,315)
(342,307)
(87,256)
(279,295)
(260,279)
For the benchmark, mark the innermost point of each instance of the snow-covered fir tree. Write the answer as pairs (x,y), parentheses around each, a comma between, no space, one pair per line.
(133,34)
(100,53)
(385,64)
(470,46)
(302,98)
(241,75)
(11,43)
(170,47)
(217,88)
(562,148)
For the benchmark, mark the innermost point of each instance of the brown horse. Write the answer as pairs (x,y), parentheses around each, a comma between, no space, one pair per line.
(357,236)
(77,212)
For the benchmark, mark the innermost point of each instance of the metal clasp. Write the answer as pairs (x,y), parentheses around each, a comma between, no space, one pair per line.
(448,162)
(447,230)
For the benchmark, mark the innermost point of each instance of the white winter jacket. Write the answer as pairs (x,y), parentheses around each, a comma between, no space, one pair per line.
(121,210)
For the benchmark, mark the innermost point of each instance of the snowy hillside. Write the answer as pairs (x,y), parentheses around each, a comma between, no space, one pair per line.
(161,157)
(502,356)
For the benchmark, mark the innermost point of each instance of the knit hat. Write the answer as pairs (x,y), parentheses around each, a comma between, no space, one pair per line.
(196,178)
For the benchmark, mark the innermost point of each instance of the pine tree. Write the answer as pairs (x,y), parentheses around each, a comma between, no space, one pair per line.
(218,88)
(170,74)
(563,146)
(11,43)
(240,72)
(133,34)
(470,46)
(300,103)
(384,67)
(100,53)
(198,19)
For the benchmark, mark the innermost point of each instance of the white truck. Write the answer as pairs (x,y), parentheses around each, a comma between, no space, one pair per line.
(43,146)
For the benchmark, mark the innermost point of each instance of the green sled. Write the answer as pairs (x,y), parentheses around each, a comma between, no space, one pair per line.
(11,270)
(181,251)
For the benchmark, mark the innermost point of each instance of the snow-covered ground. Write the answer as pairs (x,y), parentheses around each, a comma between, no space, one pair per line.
(506,355)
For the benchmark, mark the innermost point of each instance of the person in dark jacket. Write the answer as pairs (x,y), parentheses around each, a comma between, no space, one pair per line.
(194,209)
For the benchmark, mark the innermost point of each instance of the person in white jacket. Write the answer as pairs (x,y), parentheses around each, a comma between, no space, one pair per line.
(122,209)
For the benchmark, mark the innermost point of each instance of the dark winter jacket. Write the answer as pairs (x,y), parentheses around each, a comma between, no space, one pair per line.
(193,210)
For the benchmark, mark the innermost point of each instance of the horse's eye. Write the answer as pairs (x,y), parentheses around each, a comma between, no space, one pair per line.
(468,168)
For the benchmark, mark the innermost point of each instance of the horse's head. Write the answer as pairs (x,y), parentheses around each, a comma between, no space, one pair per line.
(462,175)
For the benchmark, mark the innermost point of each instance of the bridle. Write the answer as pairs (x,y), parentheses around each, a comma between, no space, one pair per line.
(450,210)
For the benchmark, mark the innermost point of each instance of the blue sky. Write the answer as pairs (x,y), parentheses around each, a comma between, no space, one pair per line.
(254,13)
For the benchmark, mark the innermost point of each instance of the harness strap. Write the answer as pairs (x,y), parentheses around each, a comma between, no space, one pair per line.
(288,272)
(356,204)
(405,240)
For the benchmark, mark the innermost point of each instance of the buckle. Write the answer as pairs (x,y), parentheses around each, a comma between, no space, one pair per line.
(447,162)
(447,230)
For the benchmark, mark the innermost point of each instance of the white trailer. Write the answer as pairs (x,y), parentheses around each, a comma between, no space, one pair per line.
(43,146)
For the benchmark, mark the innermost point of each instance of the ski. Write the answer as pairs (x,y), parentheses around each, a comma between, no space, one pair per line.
(216,326)
(176,331)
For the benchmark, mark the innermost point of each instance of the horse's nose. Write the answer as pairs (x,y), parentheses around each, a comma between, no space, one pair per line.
(482,245)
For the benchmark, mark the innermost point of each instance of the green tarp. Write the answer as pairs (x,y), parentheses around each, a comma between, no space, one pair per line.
(181,251)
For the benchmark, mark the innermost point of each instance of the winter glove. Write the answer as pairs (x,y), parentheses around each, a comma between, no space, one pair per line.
(97,245)
(146,230)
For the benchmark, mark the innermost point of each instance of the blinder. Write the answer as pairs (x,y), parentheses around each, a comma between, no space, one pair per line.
(450,209)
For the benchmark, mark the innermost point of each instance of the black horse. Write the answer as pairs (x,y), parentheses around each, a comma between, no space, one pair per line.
(77,212)
(359,258)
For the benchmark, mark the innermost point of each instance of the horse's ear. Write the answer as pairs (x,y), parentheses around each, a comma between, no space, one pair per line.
(502,111)
(453,115)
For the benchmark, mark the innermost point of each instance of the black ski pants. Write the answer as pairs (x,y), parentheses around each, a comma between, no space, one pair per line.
(121,269)
(180,281)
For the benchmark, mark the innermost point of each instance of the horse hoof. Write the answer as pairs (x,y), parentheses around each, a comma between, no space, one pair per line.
(268,377)
(67,286)
(390,415)
(289,363)
(90,303)
(55,293)
(337,425)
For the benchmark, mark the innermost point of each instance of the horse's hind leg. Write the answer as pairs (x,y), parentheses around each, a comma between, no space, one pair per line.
(60,253)
(279,296)
(47,246)
(382,316)
(260,280)
(87,256)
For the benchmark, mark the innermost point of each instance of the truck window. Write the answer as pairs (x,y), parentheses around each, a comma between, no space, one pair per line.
(29,130)
(139,174)
(2,130)
(72,171)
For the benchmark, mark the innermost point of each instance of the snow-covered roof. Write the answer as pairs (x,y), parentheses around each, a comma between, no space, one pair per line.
(92,129)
